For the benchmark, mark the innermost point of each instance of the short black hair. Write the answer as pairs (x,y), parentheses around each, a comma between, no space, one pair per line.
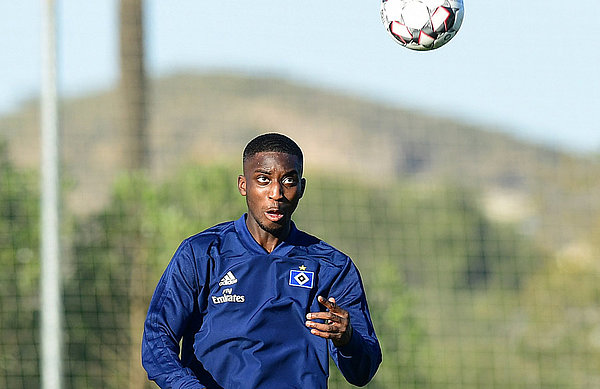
(272,142)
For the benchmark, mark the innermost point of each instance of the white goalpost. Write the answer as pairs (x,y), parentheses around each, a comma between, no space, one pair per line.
(50,291)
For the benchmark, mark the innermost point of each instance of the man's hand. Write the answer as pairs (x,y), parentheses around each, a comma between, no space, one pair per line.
(337,323)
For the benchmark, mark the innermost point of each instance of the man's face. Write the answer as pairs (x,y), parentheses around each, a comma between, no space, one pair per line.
(272,184)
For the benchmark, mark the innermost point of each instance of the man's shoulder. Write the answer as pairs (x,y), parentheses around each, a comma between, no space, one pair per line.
(315,247)
(211,235)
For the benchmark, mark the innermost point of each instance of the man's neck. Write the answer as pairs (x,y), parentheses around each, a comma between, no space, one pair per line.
(268,240)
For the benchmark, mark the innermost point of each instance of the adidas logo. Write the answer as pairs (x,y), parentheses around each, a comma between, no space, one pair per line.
(228,279)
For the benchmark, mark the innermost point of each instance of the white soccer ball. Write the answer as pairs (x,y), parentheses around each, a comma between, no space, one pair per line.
(422,24)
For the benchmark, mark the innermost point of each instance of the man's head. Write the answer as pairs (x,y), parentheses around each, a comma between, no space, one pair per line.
(273,142)
(272,183)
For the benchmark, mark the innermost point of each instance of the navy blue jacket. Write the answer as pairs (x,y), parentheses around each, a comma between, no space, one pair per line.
(239,313)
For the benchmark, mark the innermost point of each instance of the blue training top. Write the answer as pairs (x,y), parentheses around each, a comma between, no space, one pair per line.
(240,314)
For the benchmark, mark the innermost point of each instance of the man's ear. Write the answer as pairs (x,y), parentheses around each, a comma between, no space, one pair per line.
(303,186)
(242,185)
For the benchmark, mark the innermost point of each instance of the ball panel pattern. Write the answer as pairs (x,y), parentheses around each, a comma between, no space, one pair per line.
(422,24)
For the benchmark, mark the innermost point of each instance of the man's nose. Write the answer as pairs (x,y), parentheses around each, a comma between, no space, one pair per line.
(276,191)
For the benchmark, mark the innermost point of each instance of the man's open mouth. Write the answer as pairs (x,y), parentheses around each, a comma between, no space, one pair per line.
(274,215)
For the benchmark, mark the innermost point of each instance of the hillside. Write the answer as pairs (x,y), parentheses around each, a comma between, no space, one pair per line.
(199,118)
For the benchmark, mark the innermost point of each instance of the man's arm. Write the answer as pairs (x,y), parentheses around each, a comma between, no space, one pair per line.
(353,344)
(172,304)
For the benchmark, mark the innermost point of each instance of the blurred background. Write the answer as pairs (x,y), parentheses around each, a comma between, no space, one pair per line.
(464,182)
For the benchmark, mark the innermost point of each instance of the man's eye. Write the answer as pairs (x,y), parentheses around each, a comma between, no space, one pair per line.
(262,180)
(290,181)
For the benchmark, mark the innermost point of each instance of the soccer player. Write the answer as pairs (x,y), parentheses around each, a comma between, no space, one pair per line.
(255,302)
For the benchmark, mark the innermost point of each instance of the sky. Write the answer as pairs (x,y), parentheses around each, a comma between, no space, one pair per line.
(529,68)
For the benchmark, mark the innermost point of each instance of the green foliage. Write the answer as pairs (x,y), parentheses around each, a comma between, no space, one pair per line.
(19,302)
(427,255)
(437,237)
(562,331)
(120,255)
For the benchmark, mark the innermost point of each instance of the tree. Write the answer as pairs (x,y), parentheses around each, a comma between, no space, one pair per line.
(150,220)
(19,260)
(560,338)
(133,82)
(133,90)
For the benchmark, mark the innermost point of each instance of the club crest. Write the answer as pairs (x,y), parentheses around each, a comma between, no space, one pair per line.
(302,278)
